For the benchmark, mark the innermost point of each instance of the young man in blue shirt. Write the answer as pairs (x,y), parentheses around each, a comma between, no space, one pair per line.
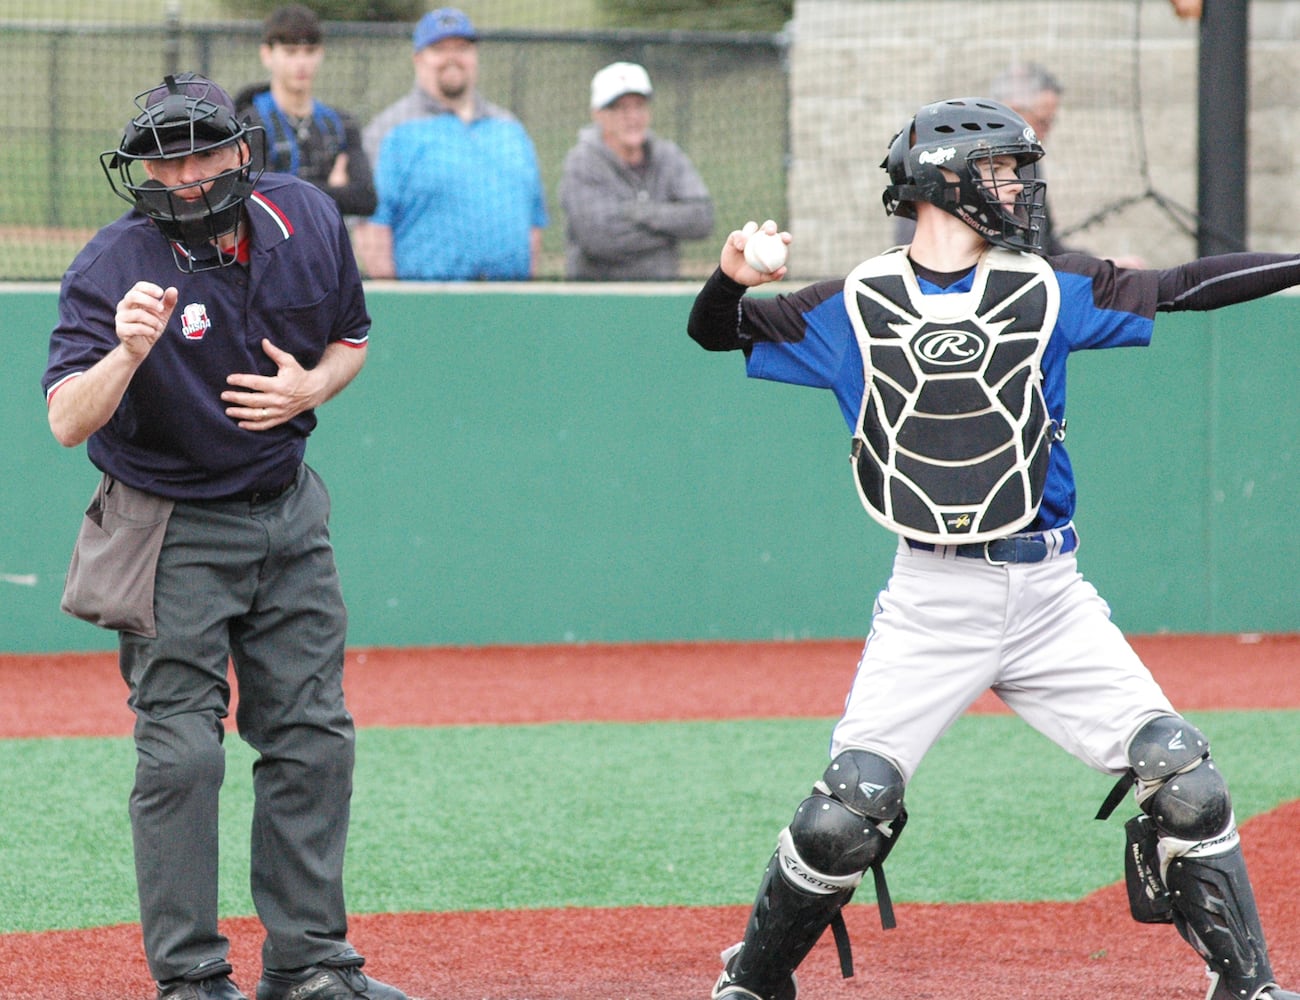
(304,136)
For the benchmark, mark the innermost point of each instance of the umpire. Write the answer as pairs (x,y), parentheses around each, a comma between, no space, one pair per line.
(197,334)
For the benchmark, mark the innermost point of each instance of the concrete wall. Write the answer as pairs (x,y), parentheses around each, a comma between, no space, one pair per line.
(860,68)
(529,465)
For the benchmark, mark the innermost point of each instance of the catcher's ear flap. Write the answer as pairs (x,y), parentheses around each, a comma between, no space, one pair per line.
(899,195)
(898,149)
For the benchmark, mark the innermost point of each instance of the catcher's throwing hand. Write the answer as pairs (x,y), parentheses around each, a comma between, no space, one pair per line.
(733,262)
(268,400)
(142,315)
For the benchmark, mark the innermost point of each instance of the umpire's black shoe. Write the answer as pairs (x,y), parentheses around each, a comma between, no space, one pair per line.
(325,982)
(215,984)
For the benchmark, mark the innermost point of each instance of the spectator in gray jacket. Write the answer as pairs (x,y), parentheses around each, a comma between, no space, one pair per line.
(630,197)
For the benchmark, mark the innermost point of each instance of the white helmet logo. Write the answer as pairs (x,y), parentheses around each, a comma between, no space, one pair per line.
(937,156)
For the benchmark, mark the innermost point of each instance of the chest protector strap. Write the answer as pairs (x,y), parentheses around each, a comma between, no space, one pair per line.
(953,434)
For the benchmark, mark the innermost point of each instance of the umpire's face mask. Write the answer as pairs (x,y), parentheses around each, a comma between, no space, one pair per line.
(197,210)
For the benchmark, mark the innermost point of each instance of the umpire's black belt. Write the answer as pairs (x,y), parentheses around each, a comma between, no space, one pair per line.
(260,495)
(1015,549)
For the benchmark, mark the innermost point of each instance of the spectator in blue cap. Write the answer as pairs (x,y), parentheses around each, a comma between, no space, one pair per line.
(445,23)
(460,190)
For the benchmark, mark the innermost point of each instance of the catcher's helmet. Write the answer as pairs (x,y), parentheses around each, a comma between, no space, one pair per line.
(188,114)
(937,158)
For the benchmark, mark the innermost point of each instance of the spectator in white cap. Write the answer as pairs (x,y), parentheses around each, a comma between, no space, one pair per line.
(630,197)
(460,190)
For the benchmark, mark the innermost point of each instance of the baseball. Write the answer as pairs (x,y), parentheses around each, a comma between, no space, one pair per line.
(765,252)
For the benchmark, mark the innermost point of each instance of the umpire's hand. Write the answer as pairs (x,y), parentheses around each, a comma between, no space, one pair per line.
(142,315)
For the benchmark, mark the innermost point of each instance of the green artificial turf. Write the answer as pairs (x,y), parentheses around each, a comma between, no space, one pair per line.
(600,814)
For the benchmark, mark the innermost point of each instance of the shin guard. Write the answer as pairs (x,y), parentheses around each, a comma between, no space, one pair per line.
(783,927)
(1214,910)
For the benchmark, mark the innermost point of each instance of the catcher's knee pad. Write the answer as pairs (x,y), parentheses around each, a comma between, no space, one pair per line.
(849,822)
(1179,786)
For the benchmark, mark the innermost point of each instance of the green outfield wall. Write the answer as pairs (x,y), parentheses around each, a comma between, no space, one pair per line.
(542,464)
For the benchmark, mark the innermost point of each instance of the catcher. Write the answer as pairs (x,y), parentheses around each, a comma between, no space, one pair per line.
(948,360)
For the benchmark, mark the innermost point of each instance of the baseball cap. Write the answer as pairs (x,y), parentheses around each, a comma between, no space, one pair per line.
(186,113)
(445,22)
(617,79)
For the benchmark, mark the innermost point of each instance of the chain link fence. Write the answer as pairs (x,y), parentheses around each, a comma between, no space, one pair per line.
(71,85)
(788,125)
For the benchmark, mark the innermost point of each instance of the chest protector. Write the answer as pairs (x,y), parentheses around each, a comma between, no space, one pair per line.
(953,435)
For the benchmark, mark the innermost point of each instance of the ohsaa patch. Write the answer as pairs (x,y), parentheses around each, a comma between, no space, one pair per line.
(194,321)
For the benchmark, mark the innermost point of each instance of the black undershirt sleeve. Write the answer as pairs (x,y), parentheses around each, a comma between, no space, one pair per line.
(714,322)
(1225,279)
(716,317)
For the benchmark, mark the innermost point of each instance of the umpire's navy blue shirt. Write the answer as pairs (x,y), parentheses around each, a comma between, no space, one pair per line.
(170,435)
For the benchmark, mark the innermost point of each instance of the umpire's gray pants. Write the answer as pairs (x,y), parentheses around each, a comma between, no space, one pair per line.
(256,584)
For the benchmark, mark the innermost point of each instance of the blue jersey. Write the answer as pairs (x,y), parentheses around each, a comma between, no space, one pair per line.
(170,435)
(461,199)
(309,147)
(806,338)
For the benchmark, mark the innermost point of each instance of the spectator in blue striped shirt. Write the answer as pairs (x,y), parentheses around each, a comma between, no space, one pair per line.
(460,189)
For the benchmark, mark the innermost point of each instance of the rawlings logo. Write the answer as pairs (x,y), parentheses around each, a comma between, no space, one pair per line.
(949,347)
(938,157)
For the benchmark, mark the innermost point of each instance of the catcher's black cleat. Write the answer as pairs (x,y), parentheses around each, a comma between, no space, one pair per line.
(325,982)
(1219,990)
(727,989)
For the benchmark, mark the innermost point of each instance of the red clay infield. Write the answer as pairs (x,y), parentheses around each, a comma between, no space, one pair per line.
(1089,950)
(622,683)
